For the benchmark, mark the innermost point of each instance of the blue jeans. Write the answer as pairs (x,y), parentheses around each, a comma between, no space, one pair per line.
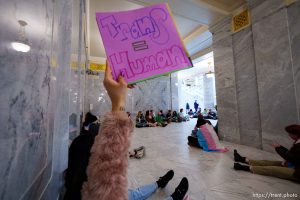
(144,192)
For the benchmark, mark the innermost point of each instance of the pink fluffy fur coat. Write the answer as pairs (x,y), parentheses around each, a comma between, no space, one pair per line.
(107,169)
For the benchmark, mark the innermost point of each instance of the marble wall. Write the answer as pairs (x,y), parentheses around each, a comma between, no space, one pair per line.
(293,14)
(34,98)
(96,98)
(260,65)
(188,94)
(209,92)
(276,87)
(225,81)
(151,94)
(246,87)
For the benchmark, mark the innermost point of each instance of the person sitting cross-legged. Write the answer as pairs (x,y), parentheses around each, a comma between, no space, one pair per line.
(140,120)
(160,120)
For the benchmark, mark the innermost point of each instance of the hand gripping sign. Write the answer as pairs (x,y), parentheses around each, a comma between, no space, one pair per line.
(143,43)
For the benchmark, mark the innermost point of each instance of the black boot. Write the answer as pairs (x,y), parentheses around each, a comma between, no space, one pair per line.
(163,181)
(238,166)
(238,157)
(181,189)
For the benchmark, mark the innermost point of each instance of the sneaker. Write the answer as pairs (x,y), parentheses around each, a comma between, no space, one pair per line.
(238,157)
(238,166)
(164,180)
(181,189)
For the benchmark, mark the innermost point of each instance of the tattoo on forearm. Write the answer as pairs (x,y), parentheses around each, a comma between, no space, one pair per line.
(122,108)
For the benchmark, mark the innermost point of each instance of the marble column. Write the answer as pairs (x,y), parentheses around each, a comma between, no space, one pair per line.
(265,70)
(173,83)
(225,81)
(246,85)
(276,89)
(209,92)
(293,13)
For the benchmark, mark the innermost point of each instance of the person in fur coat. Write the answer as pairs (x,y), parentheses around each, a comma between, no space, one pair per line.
(107,168)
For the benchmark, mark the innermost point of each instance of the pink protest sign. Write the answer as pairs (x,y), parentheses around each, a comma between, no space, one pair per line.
(142,44)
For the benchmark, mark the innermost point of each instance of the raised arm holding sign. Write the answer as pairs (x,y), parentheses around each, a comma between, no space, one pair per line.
(143,43)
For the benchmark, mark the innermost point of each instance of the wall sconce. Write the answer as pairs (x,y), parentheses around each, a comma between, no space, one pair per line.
(21,44)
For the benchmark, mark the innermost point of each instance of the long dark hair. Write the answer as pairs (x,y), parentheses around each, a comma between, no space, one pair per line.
(147,113)
(201,121)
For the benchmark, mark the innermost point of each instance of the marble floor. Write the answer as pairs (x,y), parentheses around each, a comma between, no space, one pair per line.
(211,175)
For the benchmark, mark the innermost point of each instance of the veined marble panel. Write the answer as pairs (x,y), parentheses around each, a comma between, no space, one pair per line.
(25,84)
(228,115)
(254,3)
(221,29)
(226,90)
(259,11)
(247,94)
(62,31)
(274,77)
(97,100)
(34,98)
(294,30)
(153,94)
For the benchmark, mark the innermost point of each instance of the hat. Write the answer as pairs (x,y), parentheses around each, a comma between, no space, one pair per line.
(293,129)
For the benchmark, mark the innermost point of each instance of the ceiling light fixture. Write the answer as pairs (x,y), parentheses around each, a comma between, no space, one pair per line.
(209,74)
(21,44)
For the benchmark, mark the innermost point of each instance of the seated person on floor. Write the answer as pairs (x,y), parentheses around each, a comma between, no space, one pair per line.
(211,115)
(288,169)
(193,140)
(78,158)
(90,124)
(183,116)
(191,113)
(204,113)
(152,113)
(160,120)
(150,120)
(196,115)
(169,116)
(175,117)
(140,120)
(146,191)
(162,114)
(204,136)
(128,114)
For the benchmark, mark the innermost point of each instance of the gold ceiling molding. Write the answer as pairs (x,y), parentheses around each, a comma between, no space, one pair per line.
(97,67)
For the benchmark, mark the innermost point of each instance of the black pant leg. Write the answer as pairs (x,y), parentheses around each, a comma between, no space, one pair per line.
(193,141)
